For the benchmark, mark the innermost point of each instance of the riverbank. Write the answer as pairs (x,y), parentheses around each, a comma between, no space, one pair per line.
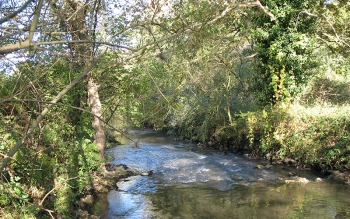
(315,137)
(103,181)
(339,176)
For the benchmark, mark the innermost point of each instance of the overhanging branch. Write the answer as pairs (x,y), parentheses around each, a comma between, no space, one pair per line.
(14,47)
(70,106)
(28,42)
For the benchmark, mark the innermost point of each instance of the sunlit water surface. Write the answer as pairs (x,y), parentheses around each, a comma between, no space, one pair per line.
(197,183)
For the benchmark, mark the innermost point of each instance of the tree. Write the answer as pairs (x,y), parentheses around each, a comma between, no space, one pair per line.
(207,64)
(286,46)
(50,45)
(75,15)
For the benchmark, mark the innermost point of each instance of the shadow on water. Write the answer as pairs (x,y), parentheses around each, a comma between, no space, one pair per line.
(191,183)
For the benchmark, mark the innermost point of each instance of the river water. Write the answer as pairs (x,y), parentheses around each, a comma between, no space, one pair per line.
(189,182)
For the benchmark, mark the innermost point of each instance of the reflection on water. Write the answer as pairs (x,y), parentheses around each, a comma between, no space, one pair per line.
(123,204)
(201,184)
(258,201)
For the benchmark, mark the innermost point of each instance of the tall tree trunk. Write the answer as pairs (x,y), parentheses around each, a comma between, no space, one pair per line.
(79,29)
(95,104)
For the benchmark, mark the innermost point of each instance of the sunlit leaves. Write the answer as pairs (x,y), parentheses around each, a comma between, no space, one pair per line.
(286,45)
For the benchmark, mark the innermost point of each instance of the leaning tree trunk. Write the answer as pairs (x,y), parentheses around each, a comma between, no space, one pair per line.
(95,104)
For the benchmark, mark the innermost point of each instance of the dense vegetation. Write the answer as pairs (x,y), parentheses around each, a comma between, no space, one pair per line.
(271,77)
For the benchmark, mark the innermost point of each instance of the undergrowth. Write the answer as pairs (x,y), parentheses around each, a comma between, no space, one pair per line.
(313,131)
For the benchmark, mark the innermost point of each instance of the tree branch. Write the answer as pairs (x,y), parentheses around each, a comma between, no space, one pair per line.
(227,10)
(28,42)
(70,106)
(12,15)
(258,4)
(41,116)
(338,39)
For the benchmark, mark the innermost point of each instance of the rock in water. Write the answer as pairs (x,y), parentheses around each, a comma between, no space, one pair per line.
(260,166)
(300,180)
(149,173)
(318,179)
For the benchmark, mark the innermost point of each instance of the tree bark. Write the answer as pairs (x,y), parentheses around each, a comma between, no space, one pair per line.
(96,109)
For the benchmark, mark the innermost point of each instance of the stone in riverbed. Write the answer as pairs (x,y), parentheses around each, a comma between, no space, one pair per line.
(200,145)
(259,166)
(318,179)
(149,173)
(300,180)
(292,173)
(88,199)
(268,166)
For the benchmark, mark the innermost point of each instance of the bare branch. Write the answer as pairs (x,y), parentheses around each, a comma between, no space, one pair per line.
(227,10)
(337,38)
(13,14)
(47,194)
(308,13)
(4,155)
(53,52)
(28,42)
(258,4)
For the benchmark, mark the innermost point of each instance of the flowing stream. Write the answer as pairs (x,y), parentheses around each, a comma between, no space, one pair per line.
(189,182)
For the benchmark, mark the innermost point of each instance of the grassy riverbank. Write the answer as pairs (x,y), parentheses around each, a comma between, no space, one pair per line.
(317,136)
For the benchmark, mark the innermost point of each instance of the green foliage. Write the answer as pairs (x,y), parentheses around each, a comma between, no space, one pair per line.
(6,141)
(12,193)
(200,71)
(330,88)
(64,196)
(11,190)
(59,155)
(301,133)
(286,47)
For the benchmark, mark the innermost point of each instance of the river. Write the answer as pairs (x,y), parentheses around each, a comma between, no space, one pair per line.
(190,182)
